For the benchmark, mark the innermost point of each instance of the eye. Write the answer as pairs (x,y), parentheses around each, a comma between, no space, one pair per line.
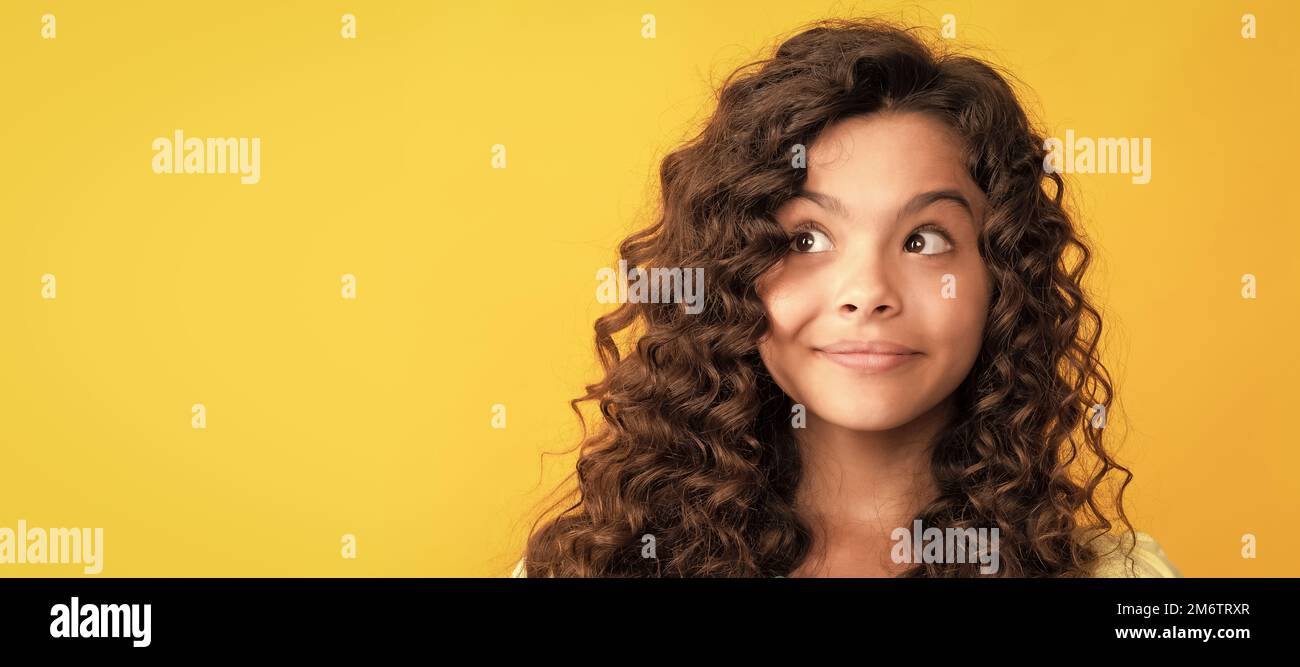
(928,241)
(810,241)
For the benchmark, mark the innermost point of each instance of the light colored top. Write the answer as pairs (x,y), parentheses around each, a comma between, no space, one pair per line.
(1149,560)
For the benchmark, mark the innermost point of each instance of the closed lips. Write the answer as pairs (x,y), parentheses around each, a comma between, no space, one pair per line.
(873,357)
(872,347)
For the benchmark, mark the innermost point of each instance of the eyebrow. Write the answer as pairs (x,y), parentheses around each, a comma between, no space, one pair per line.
(917,203)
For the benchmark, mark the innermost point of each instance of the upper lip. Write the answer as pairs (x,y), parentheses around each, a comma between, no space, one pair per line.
(866,347)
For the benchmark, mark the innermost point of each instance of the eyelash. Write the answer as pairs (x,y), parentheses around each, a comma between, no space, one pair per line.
(927,227)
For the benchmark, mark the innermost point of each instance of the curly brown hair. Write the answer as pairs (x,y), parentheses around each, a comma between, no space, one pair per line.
(695,445)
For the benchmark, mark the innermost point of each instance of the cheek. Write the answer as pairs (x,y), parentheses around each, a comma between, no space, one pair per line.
(790,306)
(788,301)
(955,317)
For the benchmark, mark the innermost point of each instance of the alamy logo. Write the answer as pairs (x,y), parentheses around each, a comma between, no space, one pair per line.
(102,620)
(54,545)
(231,155)
(1103,155)
(954,545)
(653,285)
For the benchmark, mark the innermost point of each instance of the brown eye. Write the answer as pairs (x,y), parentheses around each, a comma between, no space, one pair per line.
(927,243)
(808,241)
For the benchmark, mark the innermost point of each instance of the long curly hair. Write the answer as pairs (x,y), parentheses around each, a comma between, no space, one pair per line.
(695,445)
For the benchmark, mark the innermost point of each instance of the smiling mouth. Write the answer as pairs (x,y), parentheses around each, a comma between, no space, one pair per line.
(869,362)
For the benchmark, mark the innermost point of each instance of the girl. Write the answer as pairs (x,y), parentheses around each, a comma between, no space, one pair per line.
(895,337)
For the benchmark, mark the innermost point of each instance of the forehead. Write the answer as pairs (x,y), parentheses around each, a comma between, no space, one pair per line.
(880,161)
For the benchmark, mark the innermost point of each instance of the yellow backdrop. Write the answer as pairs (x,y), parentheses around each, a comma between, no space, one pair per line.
(325,416)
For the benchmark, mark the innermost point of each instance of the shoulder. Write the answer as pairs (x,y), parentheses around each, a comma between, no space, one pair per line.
(519,572)
(1148,559)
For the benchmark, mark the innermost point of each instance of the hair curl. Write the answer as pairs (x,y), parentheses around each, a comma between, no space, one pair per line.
(696,446)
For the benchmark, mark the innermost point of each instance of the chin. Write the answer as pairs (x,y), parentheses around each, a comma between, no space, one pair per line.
(867,415)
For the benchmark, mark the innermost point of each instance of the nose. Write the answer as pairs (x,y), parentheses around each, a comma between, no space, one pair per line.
(866,288)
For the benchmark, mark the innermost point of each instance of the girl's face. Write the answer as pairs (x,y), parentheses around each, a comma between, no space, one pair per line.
(884,261)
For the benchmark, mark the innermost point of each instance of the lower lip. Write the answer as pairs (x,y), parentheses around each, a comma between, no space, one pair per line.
(869,363)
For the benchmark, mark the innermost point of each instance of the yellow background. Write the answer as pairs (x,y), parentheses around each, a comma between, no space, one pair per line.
(476,285)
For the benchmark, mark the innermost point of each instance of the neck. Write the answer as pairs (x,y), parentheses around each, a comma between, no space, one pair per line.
(855,481)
